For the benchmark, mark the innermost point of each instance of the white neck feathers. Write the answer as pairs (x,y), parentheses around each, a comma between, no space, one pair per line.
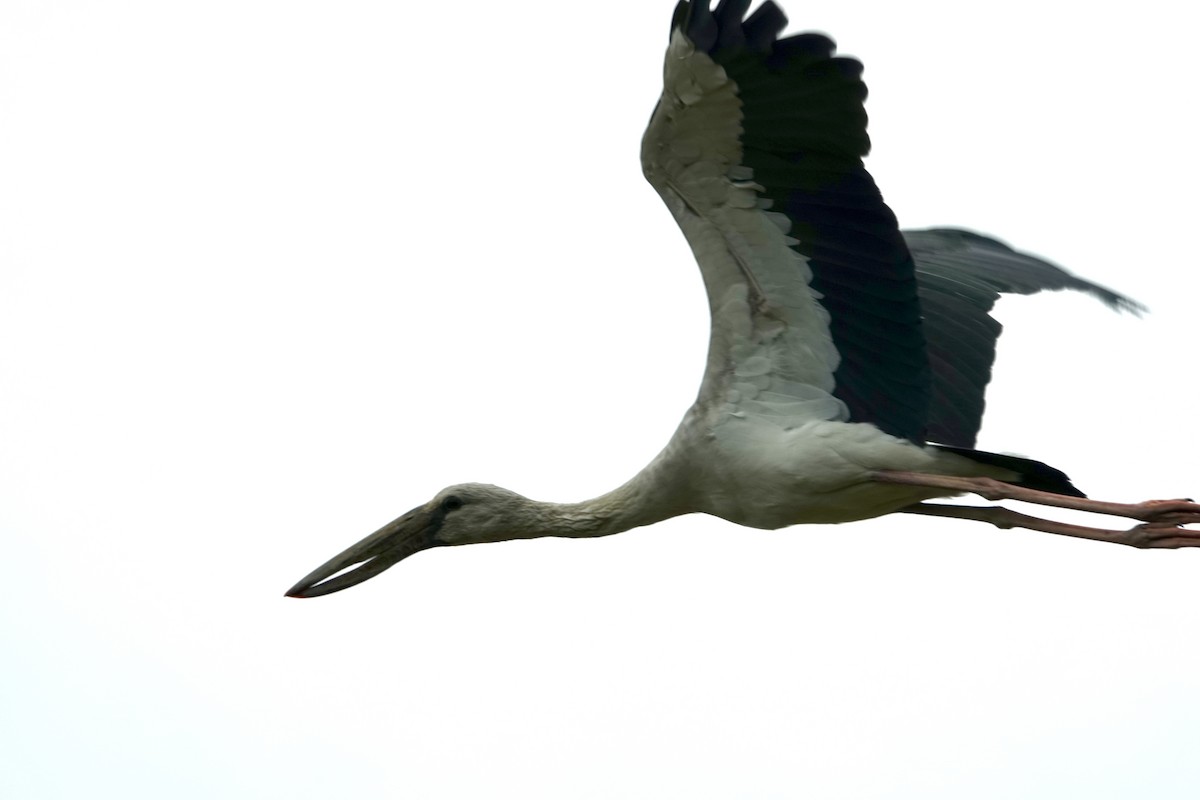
(643,500)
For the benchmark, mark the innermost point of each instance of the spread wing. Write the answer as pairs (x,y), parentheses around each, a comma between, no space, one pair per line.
(756,148)
(960,276)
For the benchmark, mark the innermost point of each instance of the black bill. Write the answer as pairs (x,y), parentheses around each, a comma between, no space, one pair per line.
(389,545)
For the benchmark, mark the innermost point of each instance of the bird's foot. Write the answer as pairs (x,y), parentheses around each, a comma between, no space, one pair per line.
(1177,512)
(1162,536)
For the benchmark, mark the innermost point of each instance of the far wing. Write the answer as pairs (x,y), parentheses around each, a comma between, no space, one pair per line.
(960,275)
(756,148)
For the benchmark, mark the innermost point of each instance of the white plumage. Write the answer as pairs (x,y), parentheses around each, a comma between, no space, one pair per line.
(847,362)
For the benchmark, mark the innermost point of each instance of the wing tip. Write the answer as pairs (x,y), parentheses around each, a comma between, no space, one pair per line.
(947,238)
(762,28)
(695,19)
(727,28)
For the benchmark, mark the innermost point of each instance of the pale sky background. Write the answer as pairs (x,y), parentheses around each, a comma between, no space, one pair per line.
(274,273)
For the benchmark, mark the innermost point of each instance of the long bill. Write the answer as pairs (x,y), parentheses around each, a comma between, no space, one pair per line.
(389,545)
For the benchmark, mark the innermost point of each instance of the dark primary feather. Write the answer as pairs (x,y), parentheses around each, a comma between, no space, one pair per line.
(986,264)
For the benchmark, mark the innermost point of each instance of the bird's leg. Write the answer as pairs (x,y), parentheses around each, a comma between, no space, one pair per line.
(1151,534)
(1175,512)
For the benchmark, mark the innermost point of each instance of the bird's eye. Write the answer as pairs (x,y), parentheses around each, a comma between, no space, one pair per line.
(452,502)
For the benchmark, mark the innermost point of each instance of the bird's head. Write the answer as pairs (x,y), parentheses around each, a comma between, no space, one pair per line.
(465,514)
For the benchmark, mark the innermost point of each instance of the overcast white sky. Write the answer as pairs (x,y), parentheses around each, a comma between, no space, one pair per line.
(274,273)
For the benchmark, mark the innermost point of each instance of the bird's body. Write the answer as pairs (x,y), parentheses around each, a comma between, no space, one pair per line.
(847,361)
(763,477)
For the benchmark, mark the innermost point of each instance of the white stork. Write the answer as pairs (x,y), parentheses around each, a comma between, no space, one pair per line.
(847,360)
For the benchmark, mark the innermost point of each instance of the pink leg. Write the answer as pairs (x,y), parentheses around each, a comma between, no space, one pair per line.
(1152,534)
(1159,512)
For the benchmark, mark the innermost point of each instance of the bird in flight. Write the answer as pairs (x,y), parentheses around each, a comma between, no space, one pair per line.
(847,359)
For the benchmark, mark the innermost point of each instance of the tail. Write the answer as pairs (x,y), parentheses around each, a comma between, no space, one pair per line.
(1033,474)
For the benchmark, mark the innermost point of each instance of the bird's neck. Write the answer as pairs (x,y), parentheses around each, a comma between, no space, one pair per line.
(643,500)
